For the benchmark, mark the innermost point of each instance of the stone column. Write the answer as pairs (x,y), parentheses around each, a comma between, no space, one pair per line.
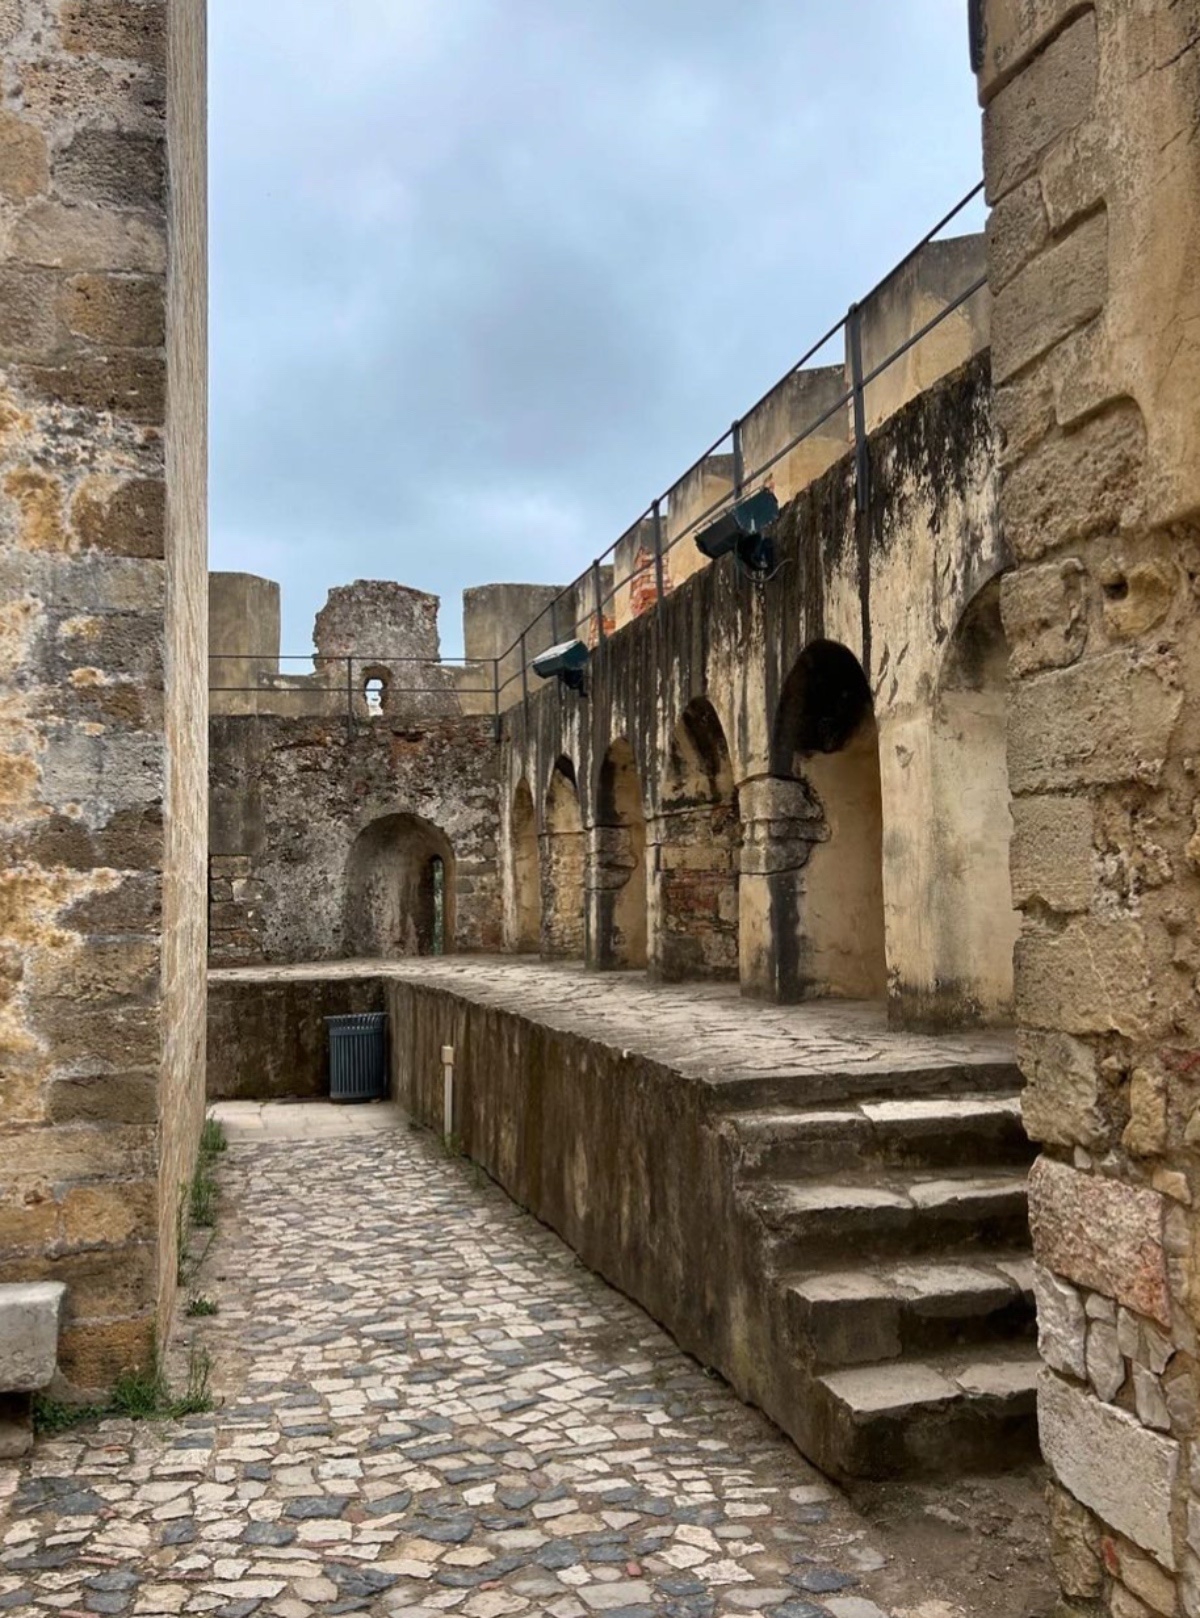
(103,642)
(1092,160)
(780,825)
(692,866)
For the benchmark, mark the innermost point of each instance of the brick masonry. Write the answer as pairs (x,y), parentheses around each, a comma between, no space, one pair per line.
(102,635)
(1092,161)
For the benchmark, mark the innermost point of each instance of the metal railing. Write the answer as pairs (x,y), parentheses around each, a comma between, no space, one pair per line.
(354,687)
(589,586)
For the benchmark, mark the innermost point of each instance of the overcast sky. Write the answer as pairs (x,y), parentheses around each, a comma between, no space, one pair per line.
(487,275)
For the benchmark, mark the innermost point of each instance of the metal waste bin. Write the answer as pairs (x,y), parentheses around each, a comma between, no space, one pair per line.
(358,1056)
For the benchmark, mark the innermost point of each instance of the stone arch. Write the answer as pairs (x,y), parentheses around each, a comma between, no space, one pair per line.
(826,740)
(562,866)
(523,909)
(694,856)
(975,926)
(618,866)
(399,889)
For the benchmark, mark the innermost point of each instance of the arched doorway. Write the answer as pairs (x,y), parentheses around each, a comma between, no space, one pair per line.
(826,738)
(619,866)
(697,836)
(523,910)
(562,866)
(399,890)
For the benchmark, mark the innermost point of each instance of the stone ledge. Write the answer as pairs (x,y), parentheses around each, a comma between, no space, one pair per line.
(29,1317)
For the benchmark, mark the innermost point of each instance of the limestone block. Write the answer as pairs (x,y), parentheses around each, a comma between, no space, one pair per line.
(1150,1400)
(29,1316)
(774,799)
(1092,977)
(1146,1580)
(1076,173)
(24,162)
(1016,232)
(1045,616)
(1140,597)
(67,238)
(1105,1362)
(1062,1325)
(1016,30)
(1077,483)
(1060,1103)
(1101,1233)
(1110,1463)
(115,29)
(1106,720)
(1122,1603)
(1052,857)
(1146,1133)
(1063,288)
(1054,94)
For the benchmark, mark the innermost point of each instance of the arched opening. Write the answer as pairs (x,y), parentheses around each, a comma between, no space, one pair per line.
(399,890)
(373,691)
(523,904)
(562,867)
(695,858)
(975,925)
(619,867)
(376,683)
(826,737)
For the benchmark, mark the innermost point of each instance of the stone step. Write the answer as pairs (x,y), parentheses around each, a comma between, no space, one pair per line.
(774,1087)
(817,1222)
(865,1315)
(916,1132)
(929,1417)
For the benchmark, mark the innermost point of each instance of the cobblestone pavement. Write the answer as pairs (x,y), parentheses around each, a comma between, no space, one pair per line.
(707,1030)
(426,1405)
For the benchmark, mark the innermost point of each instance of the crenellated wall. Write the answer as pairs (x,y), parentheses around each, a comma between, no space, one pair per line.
(1092,159)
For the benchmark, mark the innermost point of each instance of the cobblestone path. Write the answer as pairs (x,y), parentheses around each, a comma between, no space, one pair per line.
(426,1405)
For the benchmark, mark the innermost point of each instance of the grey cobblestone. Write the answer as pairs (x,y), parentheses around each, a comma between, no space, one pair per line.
(426,1406)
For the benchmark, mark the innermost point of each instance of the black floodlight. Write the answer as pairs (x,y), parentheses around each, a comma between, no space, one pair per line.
(744,530)
(565,662)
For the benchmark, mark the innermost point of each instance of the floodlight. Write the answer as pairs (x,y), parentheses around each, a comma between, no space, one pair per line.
(565,662)
(745,530)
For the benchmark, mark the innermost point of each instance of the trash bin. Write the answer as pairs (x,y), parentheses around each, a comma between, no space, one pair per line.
(358,1056)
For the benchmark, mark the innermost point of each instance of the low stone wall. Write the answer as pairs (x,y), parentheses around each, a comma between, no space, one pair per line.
(267,1040)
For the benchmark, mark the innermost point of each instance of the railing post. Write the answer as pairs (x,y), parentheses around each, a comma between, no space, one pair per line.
(350,696)
(862,460)
(599,599)
(658,552)
(524,681)
(739,467)
(554,622)
(496,694)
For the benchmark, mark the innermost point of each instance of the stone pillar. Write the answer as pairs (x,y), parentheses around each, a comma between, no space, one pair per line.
(1092,160)
(103,761)
(616,899)
(692,866)
(780,825)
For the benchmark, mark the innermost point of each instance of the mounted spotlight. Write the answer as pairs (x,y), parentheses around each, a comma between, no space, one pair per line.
(744,530)
(566,663)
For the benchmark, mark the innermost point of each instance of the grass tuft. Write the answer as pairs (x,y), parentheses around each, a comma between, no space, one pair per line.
(201,1306)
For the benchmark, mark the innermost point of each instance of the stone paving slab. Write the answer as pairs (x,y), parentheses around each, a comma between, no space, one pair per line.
(427,1405)
(706,1030)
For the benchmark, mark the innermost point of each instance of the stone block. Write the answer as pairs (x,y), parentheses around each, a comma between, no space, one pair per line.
(106,1098)
(91,1357)
(1111,1464)
(1105,1362)
(1092,977)
(1146,1580)
(1105,721)
(1016,232)
(129,383)
(1024,412)
(114,168)
(110,1215)
(125,30)
(1102,1234)
(1076,174)
(28,325)
(1077,483)
(1055,92)
(1045,616)
(68,238)
(29,1318)
(1016,30)
(120,311)
(1062,1325)
(1064,287)
(1074,1546)
(1146,1133)
(1052,857)
(1149,1400)
(24,159)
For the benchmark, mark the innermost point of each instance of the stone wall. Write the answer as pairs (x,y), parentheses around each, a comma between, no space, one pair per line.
(1092,157)
(764,836)
(102,630)
(300,807)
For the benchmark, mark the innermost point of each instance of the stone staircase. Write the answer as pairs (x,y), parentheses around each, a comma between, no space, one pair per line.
(894,1232)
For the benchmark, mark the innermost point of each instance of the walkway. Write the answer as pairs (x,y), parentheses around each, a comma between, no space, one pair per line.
(426,1406)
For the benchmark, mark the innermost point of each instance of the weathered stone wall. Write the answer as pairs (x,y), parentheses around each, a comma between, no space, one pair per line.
(896,593)
(1092,157)
(102,550)
(296,804)
(268,1041)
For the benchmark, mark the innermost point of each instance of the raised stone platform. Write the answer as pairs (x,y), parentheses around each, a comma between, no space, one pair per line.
(828,1211)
